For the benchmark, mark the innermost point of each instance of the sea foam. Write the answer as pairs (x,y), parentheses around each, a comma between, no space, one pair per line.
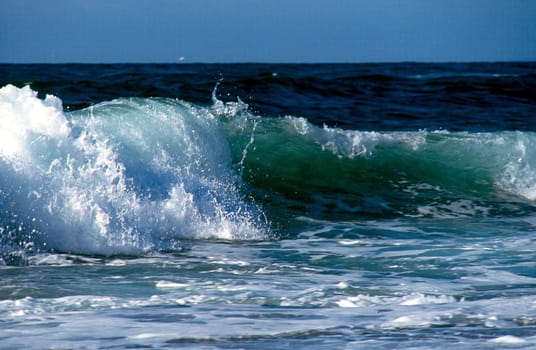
(124,176)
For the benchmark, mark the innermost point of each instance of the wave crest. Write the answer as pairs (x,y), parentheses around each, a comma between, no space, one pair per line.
(125,176)
(326,170)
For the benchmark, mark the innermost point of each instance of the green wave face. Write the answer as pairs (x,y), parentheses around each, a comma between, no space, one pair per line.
(298,168)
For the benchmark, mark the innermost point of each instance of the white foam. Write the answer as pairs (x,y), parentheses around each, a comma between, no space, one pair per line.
(24,118)
(125,176)
(147,335)
(508,339)
(342,285)
(191,300)
(351,242)
(519,176)
(170,285)
(346,303)
(421,299)
(353,143)
(364,300)
(409,321)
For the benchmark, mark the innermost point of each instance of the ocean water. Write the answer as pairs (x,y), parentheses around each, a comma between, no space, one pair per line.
(257,206)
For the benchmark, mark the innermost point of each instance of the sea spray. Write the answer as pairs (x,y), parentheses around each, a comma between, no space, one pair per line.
(124,176)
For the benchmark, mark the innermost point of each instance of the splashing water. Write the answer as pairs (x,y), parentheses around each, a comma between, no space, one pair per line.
(124,176)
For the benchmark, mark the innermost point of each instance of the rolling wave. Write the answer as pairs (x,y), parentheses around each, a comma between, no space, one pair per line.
(325,171)
(121,177)
(138,174)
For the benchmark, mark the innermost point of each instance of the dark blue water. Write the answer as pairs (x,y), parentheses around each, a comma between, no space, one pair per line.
(400,96)
(268,206)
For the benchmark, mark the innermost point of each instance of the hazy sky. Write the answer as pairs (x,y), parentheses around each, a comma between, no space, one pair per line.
(266,30)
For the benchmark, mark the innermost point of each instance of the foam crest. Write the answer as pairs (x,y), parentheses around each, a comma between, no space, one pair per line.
(26,119)
(519,176)
(354,143)
(124,176)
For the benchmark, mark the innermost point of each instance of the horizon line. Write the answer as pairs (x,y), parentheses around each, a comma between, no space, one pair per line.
(265,62)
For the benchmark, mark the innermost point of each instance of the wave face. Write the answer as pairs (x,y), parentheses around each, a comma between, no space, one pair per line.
(142,174)
(324,171)
(121,177)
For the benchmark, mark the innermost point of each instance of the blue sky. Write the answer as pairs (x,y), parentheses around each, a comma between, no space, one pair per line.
(96,31)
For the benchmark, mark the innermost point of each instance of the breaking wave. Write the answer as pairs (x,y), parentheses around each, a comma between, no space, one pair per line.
(139,174)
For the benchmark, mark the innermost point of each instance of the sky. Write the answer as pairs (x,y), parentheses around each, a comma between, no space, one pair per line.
(153,31)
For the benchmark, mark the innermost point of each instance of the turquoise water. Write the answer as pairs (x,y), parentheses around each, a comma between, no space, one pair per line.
(156,222)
